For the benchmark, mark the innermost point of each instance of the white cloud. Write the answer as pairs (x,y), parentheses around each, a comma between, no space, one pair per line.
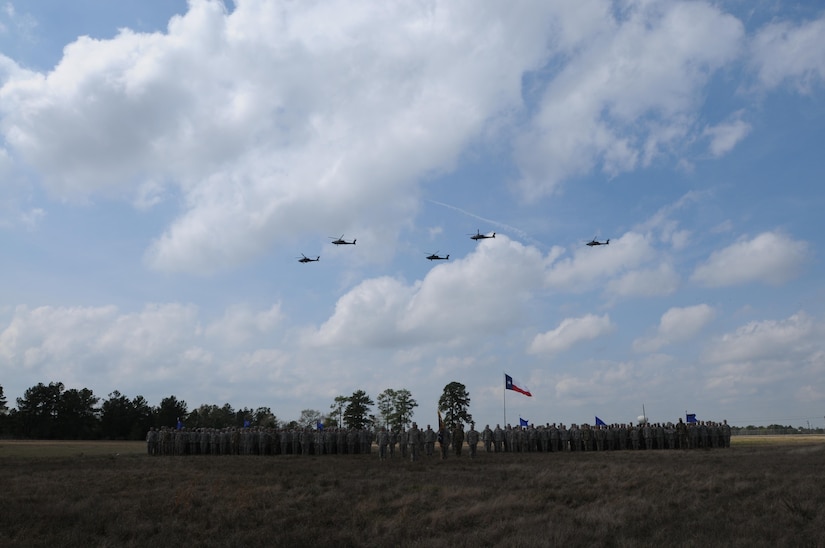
(725,136)
(783,52)
(240,324)
(487,289)
(772,360)
(570,332)
(273,119)
(79,344)
(591,265)
(676,325)
(628,92)
(662,280)
(770,257)
(769,339)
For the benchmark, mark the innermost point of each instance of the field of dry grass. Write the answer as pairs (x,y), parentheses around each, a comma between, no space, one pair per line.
(766,493)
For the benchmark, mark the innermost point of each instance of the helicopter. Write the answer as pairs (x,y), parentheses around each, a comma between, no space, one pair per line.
(435,257)
(305,259)
(341,241)
(479,236)
(594,241)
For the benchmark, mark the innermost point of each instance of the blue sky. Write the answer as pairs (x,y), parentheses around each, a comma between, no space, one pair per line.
(164,164)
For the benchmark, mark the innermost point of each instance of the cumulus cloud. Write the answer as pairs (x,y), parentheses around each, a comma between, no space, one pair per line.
(768,339)
(570,332)
(771,359)
(677,324)
(794,53)
(489,288)
(272,117)
(770,257)
(725,136)
(629,92)
(591,265)
(75,344)
(240,323)
(650,282)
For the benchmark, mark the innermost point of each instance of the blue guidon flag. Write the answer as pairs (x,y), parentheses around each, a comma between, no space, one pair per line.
(509,384)
(690,417)
(523,422)
(600,422)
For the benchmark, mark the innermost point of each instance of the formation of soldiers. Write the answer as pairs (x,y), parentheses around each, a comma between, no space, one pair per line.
(415,442)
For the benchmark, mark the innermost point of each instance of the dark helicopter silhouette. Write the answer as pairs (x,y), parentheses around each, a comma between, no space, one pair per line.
(479,236)
(305,259)
(594,241)
(435,257)
(341,241)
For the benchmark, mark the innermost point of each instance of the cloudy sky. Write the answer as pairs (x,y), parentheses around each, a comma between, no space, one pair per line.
(163,165)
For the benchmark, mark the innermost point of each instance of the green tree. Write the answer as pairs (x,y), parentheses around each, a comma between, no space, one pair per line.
(38,409)
(5,418)
(404,406)
(211,416)
(265,417)
(143,418)
(356,414)
(243,417)
(77,415)
(395,407)
(337,409)
(309,417)
(170,411)
(453,403)
(386,406)
(116,417)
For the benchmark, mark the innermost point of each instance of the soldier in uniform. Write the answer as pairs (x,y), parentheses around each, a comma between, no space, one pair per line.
(544,439)
(393,441)
(726,433)
(458,439)
(152,442)
(383,442)
(413,441)
(564,438)
(587,437)
(429,441)
(472,439)
(498,439)
(443,440)
(634,436)
(647,434)
(575,438)
(487,438)
(402,442)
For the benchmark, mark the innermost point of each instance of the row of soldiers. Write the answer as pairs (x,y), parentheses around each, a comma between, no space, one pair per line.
(415,442)
(604,437)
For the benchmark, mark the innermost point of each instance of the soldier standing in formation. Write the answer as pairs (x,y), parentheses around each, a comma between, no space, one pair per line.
(429,441)
(472,440)
(487,438)
(413,441)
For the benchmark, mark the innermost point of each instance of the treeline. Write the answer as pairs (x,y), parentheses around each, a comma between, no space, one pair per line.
(51,411)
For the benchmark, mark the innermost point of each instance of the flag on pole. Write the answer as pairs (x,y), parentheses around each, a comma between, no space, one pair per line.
(523,422)
(690,417)
(319,426)
(440,421)
(600,422)
(516,386)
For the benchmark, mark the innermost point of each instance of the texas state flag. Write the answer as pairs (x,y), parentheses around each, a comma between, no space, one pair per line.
(516,386)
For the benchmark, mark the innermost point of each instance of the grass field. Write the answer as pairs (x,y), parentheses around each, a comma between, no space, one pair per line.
(760,492)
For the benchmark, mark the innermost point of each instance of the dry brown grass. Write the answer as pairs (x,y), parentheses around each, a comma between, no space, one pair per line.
(764,494)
